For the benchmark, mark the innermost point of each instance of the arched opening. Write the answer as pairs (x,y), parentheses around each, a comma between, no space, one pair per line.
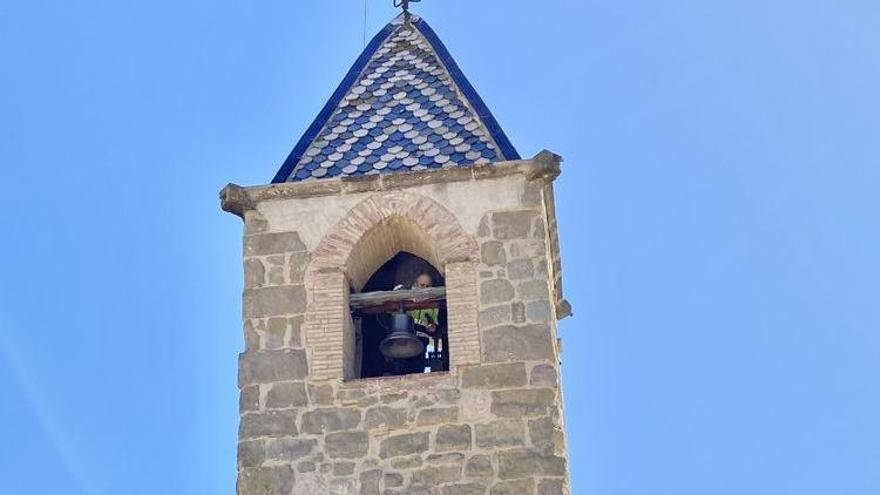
(404,273)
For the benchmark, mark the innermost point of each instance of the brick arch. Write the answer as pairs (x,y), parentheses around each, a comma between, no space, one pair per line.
(404,221)
(346,257)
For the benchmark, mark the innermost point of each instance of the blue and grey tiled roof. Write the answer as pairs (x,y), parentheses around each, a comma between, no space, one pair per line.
(404,105)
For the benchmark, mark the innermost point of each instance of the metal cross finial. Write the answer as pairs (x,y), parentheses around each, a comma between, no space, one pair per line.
(405,5)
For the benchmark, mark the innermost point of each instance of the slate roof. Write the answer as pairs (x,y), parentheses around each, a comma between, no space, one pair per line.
(404,105)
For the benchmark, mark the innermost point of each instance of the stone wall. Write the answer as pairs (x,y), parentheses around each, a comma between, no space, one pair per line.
(491,426)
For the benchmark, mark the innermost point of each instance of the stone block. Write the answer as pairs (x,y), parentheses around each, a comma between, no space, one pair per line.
(437,415)
(446,458)
(254,223)
(436,475)
(249,400)
(544,375)
(520,269)
(532,289)
(551,487)
(518,312)
(347,444)
(479,466)
(453,437)
(251,454)
(507,433)
(408,462)
(289,449)
(270,423)
(275,275)
(254,273)
(494,376)
(492,253)
(265,244)
(515,487)
(539,311)
(343,468)
(393,480)
(522,403)
(496,315)
(274,301)
(298,264)
(496,291)
(329,419)
(383,416)
(370,482)
(401,445)
(271,366)
(251,336)
(522,463)
(275,480)
(518,343)
(464,489)
(284,395)
(321,394)
(276,330)
(543,433)
(296,331)
(512,224)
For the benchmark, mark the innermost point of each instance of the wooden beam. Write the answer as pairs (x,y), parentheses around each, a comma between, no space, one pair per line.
(392,298)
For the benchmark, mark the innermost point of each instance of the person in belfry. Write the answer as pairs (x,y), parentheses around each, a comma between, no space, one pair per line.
(427,317)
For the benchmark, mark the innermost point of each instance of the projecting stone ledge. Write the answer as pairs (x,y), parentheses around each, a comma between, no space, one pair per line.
(235,199)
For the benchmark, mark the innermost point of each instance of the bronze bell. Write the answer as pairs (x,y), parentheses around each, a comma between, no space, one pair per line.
(401,341)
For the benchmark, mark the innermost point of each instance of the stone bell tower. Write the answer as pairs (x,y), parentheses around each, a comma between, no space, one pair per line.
(404,158)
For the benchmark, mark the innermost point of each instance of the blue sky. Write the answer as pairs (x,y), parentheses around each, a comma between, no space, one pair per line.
(718,210)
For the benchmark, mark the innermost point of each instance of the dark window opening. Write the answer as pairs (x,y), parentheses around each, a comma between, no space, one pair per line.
(409,283)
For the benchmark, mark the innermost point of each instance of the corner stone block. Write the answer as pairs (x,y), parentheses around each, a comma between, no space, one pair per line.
(274,301)
(544,375)
(271,366)
(249,400)
(276,480)
(265,244)
(254,273)
(251,454)
(523,343)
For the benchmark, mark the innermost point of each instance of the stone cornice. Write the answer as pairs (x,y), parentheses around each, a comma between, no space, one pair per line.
(545,166)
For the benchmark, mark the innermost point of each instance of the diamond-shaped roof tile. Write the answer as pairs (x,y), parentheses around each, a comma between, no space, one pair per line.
(404,105)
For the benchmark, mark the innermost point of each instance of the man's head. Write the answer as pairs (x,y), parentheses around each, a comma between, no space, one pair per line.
(423,281)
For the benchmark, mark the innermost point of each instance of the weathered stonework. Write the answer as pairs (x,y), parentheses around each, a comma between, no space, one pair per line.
(491,426)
